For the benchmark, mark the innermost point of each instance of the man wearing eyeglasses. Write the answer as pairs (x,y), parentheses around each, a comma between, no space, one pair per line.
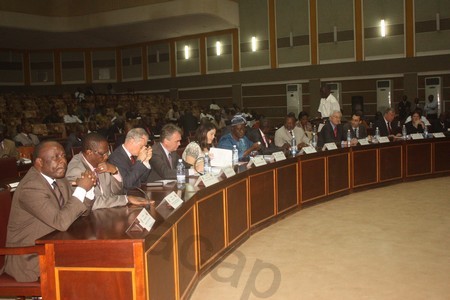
(108,191)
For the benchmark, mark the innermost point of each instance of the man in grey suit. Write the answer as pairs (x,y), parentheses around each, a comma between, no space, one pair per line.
(43,202)
(108,190)
(24,136)
(165,158)
(357,130)
(132,158)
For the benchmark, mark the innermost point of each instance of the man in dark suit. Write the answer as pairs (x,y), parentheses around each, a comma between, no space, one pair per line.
(357,129)
(132,158)
(261,135)
(386,125)
(93,156)
(165,157)
(332,130)
(42,203)
(440,124)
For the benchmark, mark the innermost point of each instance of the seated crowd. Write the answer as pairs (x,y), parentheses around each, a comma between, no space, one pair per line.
(146,148)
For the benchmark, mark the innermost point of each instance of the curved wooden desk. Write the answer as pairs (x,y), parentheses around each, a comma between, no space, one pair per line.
(96,259)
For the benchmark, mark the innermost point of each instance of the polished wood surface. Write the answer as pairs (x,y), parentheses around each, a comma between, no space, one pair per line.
(168,261)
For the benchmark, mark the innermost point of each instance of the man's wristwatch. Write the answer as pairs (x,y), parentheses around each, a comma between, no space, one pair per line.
(115,172)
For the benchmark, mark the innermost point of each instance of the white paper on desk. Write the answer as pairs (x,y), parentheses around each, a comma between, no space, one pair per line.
(320,127)
(259,161)
(221,157)
(330,146)
(279,156)
(363,142)
(174,200)
(166,181)
(439,135)
(417,136)
(383,139)
(145,219)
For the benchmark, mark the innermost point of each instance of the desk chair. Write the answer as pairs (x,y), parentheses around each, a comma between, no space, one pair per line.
(25,151)
(9,287)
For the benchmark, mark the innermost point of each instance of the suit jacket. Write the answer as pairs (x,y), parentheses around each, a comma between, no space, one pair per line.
(132,175)
(35,212)
(436,126)
(362,132)
(411,129)
(254,135)
(160,164)
(282,136)
(381,124)
(9,149)
(110,191)
(23,140)
(326,135)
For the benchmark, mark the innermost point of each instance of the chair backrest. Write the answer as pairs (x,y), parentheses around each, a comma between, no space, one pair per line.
(5,207)
(8,167)
(26,151)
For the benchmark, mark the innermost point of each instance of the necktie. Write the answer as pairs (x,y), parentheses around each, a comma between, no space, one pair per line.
(133,159)
(169,157)
(264,139)
(357,132)
(58,194)
(335,131)
(389,127)
(290,131)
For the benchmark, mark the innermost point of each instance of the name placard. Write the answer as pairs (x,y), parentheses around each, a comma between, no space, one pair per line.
(143,221)
(417,136)
(439,135)
(173,200)
(330,146)
(259,161)
(229,172)
(383,139)
(278,156)
(207,180)
(309,149)
(363,142)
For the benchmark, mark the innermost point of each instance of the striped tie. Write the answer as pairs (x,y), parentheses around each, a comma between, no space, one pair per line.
(58,194)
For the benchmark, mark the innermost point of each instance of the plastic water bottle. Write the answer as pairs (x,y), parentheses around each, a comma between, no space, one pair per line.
(181,174)
(207,164)
(425,132)
(235,155)
(349,138)
(404,133)
(377,134)
(314,137)
(293,146)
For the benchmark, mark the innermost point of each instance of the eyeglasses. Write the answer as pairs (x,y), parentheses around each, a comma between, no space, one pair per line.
(102,154)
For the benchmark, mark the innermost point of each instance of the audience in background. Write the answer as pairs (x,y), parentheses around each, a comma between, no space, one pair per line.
(75,139)
(71,117)
(7,146)
(24,136)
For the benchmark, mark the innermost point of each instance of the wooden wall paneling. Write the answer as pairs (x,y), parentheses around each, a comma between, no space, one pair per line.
(237,211)
(26,68)
(262,197)
(211,227)
(186,251)
(312,179)
(418,159)
(338,173)
(161,268)
(441,157)
(269,101)
(287,187)
(364,167)
(47,272)
(390,163)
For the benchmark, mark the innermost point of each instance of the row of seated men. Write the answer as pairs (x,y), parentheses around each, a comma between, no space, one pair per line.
(55,192)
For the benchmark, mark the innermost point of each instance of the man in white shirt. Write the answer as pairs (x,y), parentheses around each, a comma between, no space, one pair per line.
(328,102)
(431,108)
(283,135)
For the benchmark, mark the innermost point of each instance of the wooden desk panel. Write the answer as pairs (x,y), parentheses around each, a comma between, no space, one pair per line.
(287,187)
(364,167)
(338,173)
(186,251)
(390,163)
(161,269)
(211,227)
(441,156)
(262,197)
(237,210)
(312,179)
(418,159)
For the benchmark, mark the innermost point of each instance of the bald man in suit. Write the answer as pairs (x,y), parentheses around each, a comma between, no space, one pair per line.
(42,203)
